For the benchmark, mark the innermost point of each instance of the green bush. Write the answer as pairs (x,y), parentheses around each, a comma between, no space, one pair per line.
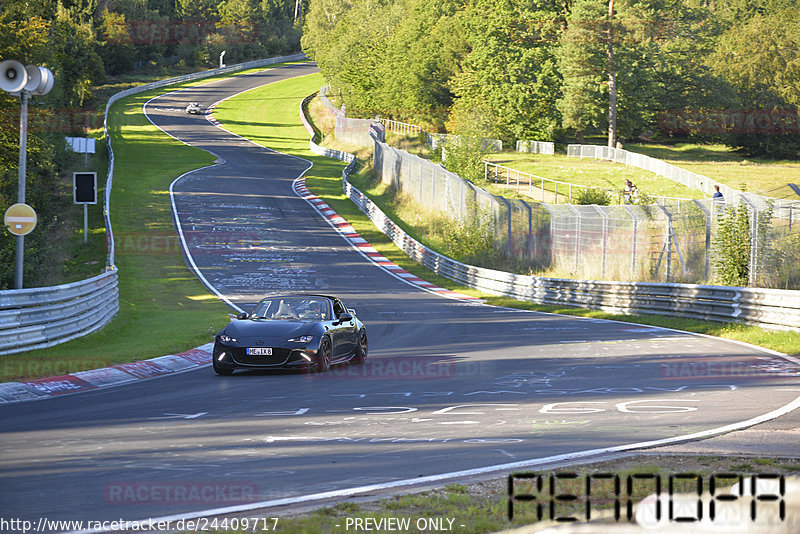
(599,197)
(468,241)
(732,247)
(465,158)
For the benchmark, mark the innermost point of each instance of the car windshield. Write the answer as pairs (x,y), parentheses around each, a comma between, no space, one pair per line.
(288,308)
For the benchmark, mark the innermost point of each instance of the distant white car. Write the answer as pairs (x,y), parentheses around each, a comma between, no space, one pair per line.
(194,108)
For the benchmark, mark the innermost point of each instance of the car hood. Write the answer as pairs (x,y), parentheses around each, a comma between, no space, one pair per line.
(246,328)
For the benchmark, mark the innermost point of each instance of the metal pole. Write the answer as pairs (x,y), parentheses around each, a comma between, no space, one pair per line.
(708,215)
(85,206)
(530,230)
(604,215)
(23,160)
(634,235)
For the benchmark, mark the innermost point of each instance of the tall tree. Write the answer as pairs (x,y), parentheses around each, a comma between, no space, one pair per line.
(583,64)
(510,72)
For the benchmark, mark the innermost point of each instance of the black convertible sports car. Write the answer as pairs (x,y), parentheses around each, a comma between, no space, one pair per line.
(303,332)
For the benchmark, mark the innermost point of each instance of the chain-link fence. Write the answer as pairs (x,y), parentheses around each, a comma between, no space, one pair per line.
(673,241)
(536,147)
(347,130)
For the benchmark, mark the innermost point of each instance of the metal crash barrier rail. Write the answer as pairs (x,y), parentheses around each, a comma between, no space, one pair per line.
(45,316)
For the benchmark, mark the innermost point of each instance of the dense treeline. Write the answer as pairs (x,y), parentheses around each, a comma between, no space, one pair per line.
(724,70)
(83,42)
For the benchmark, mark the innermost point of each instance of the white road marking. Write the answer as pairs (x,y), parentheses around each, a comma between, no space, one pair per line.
(180,416)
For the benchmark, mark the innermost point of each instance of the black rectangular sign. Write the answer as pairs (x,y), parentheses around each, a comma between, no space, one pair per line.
(85,187)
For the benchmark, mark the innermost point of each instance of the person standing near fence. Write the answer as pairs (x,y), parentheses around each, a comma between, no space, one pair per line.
(629,192)
(717,196)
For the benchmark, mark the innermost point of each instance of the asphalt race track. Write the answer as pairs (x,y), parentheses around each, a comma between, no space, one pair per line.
(449,386)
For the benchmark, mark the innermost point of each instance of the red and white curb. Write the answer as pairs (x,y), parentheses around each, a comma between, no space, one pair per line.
(210,114)
(115,375)
(347,231)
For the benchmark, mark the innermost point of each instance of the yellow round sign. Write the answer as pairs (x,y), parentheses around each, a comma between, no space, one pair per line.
(20,219)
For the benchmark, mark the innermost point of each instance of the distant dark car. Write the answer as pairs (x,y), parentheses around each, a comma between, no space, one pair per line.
(302,332)
(193,108)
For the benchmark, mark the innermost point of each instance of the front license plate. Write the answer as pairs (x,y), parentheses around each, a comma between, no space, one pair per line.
(258,351)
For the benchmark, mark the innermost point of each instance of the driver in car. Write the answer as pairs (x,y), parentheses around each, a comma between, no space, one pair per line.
(314,310)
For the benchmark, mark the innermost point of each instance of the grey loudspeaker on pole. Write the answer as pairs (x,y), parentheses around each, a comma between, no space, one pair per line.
(24,81)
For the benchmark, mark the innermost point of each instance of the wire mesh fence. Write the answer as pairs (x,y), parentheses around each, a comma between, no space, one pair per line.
(536,147)
(675,240)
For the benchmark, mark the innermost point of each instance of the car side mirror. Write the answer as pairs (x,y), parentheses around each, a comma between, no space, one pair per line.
(241,316)
(343,318)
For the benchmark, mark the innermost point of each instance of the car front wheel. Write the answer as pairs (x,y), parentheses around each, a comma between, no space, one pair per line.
(324,356)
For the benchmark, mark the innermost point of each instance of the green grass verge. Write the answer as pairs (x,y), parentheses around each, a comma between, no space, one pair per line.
(273,121)
(722,163)
(164,308)
(718,162)
(592,173)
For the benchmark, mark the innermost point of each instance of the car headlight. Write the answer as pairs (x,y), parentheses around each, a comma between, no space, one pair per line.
(227,339)
(302,339)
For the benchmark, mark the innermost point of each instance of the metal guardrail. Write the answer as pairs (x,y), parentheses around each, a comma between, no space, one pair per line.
(42,317)
(45,316)
(401,128)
